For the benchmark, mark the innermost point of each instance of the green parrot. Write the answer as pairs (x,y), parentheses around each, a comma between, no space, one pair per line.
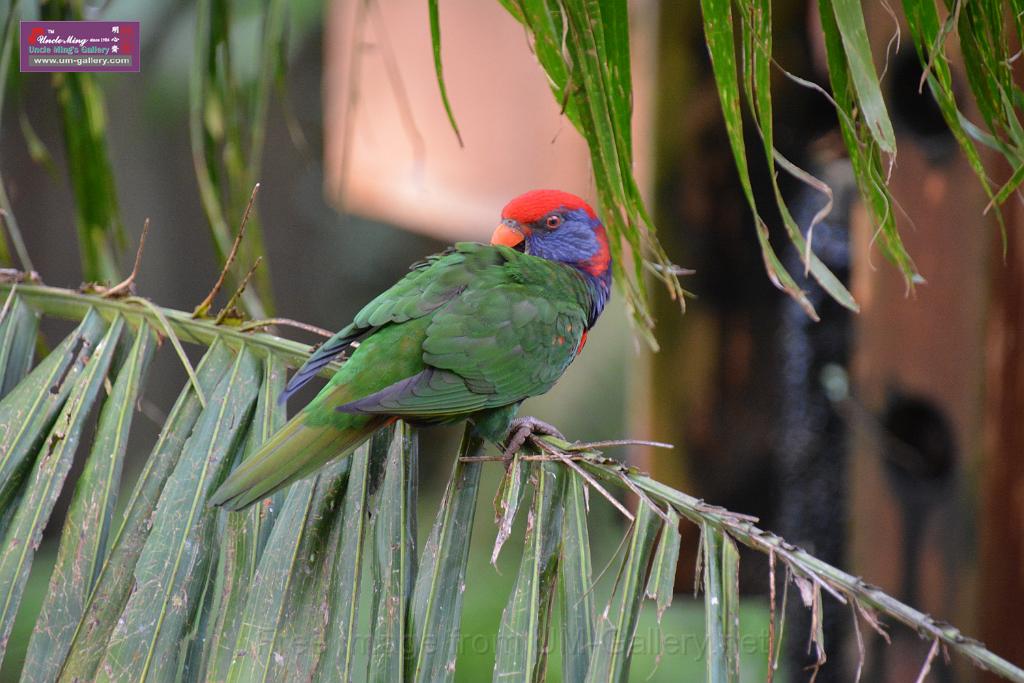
(468,334)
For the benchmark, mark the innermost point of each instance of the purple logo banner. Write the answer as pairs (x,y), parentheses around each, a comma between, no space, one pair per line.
(80,46)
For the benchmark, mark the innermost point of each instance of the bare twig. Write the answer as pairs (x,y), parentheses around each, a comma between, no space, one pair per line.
(204,307)
(600,489)
(591,445)
(14,276)
(564,457)
(287,322)
(554,456)
(782,622)
(860,643)
(927,666)
(127,286)
(73,305)
(230,305)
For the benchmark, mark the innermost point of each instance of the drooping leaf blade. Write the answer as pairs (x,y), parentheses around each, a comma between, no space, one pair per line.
(18,328)
(718,30)
(394,559)
(506,503)
(757,44)
(85,536)
(290,587)
(25,531)
(721,604)
(339,660)
(925,30)
(865,154)
(245,535)
(114,583)
(731,605)
(435,39)
(854,33)
(661,583)
(437,598)
(27,412)
(576,586)
(172,569)
(523,635)
(616,626)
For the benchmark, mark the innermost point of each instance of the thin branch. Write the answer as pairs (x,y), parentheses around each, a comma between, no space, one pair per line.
(204,307)
(600,489)
(872,620)
(127,286)
(230,305)
(860,643)
(591,445)
(927,666)
(73,305)
(287,322)
(864,595)
(564,457)
(559,457)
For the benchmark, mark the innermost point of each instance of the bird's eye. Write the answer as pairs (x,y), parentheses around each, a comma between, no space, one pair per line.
(553,222)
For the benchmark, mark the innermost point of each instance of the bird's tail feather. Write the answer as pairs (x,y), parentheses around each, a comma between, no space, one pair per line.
(294,452)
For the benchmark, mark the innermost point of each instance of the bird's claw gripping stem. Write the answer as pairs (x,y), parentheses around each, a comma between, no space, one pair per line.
(520,430)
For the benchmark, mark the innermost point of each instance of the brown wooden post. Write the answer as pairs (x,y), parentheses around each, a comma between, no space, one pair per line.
(1001,481)
(919,376)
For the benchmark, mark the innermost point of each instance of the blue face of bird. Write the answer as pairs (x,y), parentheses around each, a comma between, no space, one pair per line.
(556,226)
(562,235)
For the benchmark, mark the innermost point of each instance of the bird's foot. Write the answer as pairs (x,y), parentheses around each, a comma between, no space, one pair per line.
(522,429)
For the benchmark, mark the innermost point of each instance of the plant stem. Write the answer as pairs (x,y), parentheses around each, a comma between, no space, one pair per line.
(803,563)
(72,305)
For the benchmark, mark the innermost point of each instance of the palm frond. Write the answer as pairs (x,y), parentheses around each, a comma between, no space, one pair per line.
(583,46)
(323,581)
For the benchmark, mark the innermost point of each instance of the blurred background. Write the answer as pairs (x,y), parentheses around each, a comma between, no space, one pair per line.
(888,443)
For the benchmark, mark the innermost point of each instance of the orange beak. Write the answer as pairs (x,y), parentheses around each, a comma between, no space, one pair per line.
(507,236)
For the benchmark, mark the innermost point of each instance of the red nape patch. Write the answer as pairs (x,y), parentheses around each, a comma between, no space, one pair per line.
(535,204)
(597,264)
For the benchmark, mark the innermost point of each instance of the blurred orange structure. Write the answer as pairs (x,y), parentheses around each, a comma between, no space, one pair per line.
(390,152)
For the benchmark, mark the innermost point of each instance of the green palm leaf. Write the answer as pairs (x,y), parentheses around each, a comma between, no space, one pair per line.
(176,589)
(85,538)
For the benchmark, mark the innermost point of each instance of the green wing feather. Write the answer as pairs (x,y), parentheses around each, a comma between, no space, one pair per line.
(508,335)
(475,329)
